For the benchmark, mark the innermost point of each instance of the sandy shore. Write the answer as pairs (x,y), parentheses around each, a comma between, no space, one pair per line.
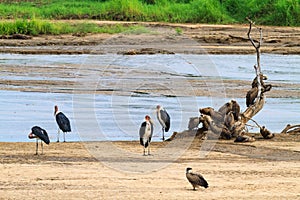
(265,169)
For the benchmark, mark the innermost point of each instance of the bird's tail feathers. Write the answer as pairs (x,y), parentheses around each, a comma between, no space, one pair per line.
(205,184)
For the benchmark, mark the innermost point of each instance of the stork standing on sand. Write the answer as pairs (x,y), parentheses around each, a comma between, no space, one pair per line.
(40,134)
(146,131)
(164,119)
(195,179)
(63,123)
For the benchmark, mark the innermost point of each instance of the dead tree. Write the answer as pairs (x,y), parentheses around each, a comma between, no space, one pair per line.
(227,121)
(261,87)
(260,100)
(255,105)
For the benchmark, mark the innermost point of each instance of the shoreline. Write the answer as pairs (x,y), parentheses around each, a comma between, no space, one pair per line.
(265,169)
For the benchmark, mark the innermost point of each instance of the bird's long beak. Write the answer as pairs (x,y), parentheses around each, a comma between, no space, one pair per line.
(154,111)
(151,121)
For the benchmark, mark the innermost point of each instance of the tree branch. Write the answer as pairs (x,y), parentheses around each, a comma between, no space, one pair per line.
(291,128)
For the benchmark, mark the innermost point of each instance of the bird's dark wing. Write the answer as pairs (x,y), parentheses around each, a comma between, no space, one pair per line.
(151,132)
(142,129)
(197,179)
(63,122)
(40,133)
(240,138)
(236,110)
(166,119)
(142,132)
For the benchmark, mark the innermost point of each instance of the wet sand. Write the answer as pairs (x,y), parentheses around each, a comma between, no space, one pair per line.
(192,38)
(265,169)
(72,78)
(160,37)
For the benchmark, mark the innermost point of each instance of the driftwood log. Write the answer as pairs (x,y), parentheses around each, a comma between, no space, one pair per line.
(291,129)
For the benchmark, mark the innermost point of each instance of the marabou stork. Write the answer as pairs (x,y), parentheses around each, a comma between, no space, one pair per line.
(195,179)
(40,134)
(146,131)
(62,122)
(164,119)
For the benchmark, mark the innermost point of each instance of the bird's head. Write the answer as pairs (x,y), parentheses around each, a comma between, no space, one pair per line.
(263,77)
(31,135)
(148,119)
(158,107)
(55,109)
(188,169)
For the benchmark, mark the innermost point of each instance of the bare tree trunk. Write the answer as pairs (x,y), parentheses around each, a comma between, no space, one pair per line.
(260,100)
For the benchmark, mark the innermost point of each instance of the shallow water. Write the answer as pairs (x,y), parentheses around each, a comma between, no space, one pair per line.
(115,117)
(283,68)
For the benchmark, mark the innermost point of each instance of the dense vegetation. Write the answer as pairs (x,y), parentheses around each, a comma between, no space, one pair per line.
(265,12)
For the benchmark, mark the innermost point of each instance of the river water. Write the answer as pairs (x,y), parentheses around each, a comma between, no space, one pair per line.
(118,117)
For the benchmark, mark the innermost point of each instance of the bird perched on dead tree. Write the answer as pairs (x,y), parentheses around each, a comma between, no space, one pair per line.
(197,180)
(266,133)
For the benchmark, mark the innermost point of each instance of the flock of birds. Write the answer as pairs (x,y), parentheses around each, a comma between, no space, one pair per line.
(146,129)
(145,133)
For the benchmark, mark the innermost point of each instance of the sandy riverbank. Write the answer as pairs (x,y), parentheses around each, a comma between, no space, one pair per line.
(265,169)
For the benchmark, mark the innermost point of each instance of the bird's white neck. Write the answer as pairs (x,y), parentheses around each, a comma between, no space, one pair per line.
(56,112)
(159,109)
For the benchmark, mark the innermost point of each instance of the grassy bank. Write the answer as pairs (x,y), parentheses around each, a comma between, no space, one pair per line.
(32,17)
(40,27)
(265,12)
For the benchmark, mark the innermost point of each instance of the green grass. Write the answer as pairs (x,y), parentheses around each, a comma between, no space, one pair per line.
(30,16)
(178,31)
(40,27)
(265,12)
